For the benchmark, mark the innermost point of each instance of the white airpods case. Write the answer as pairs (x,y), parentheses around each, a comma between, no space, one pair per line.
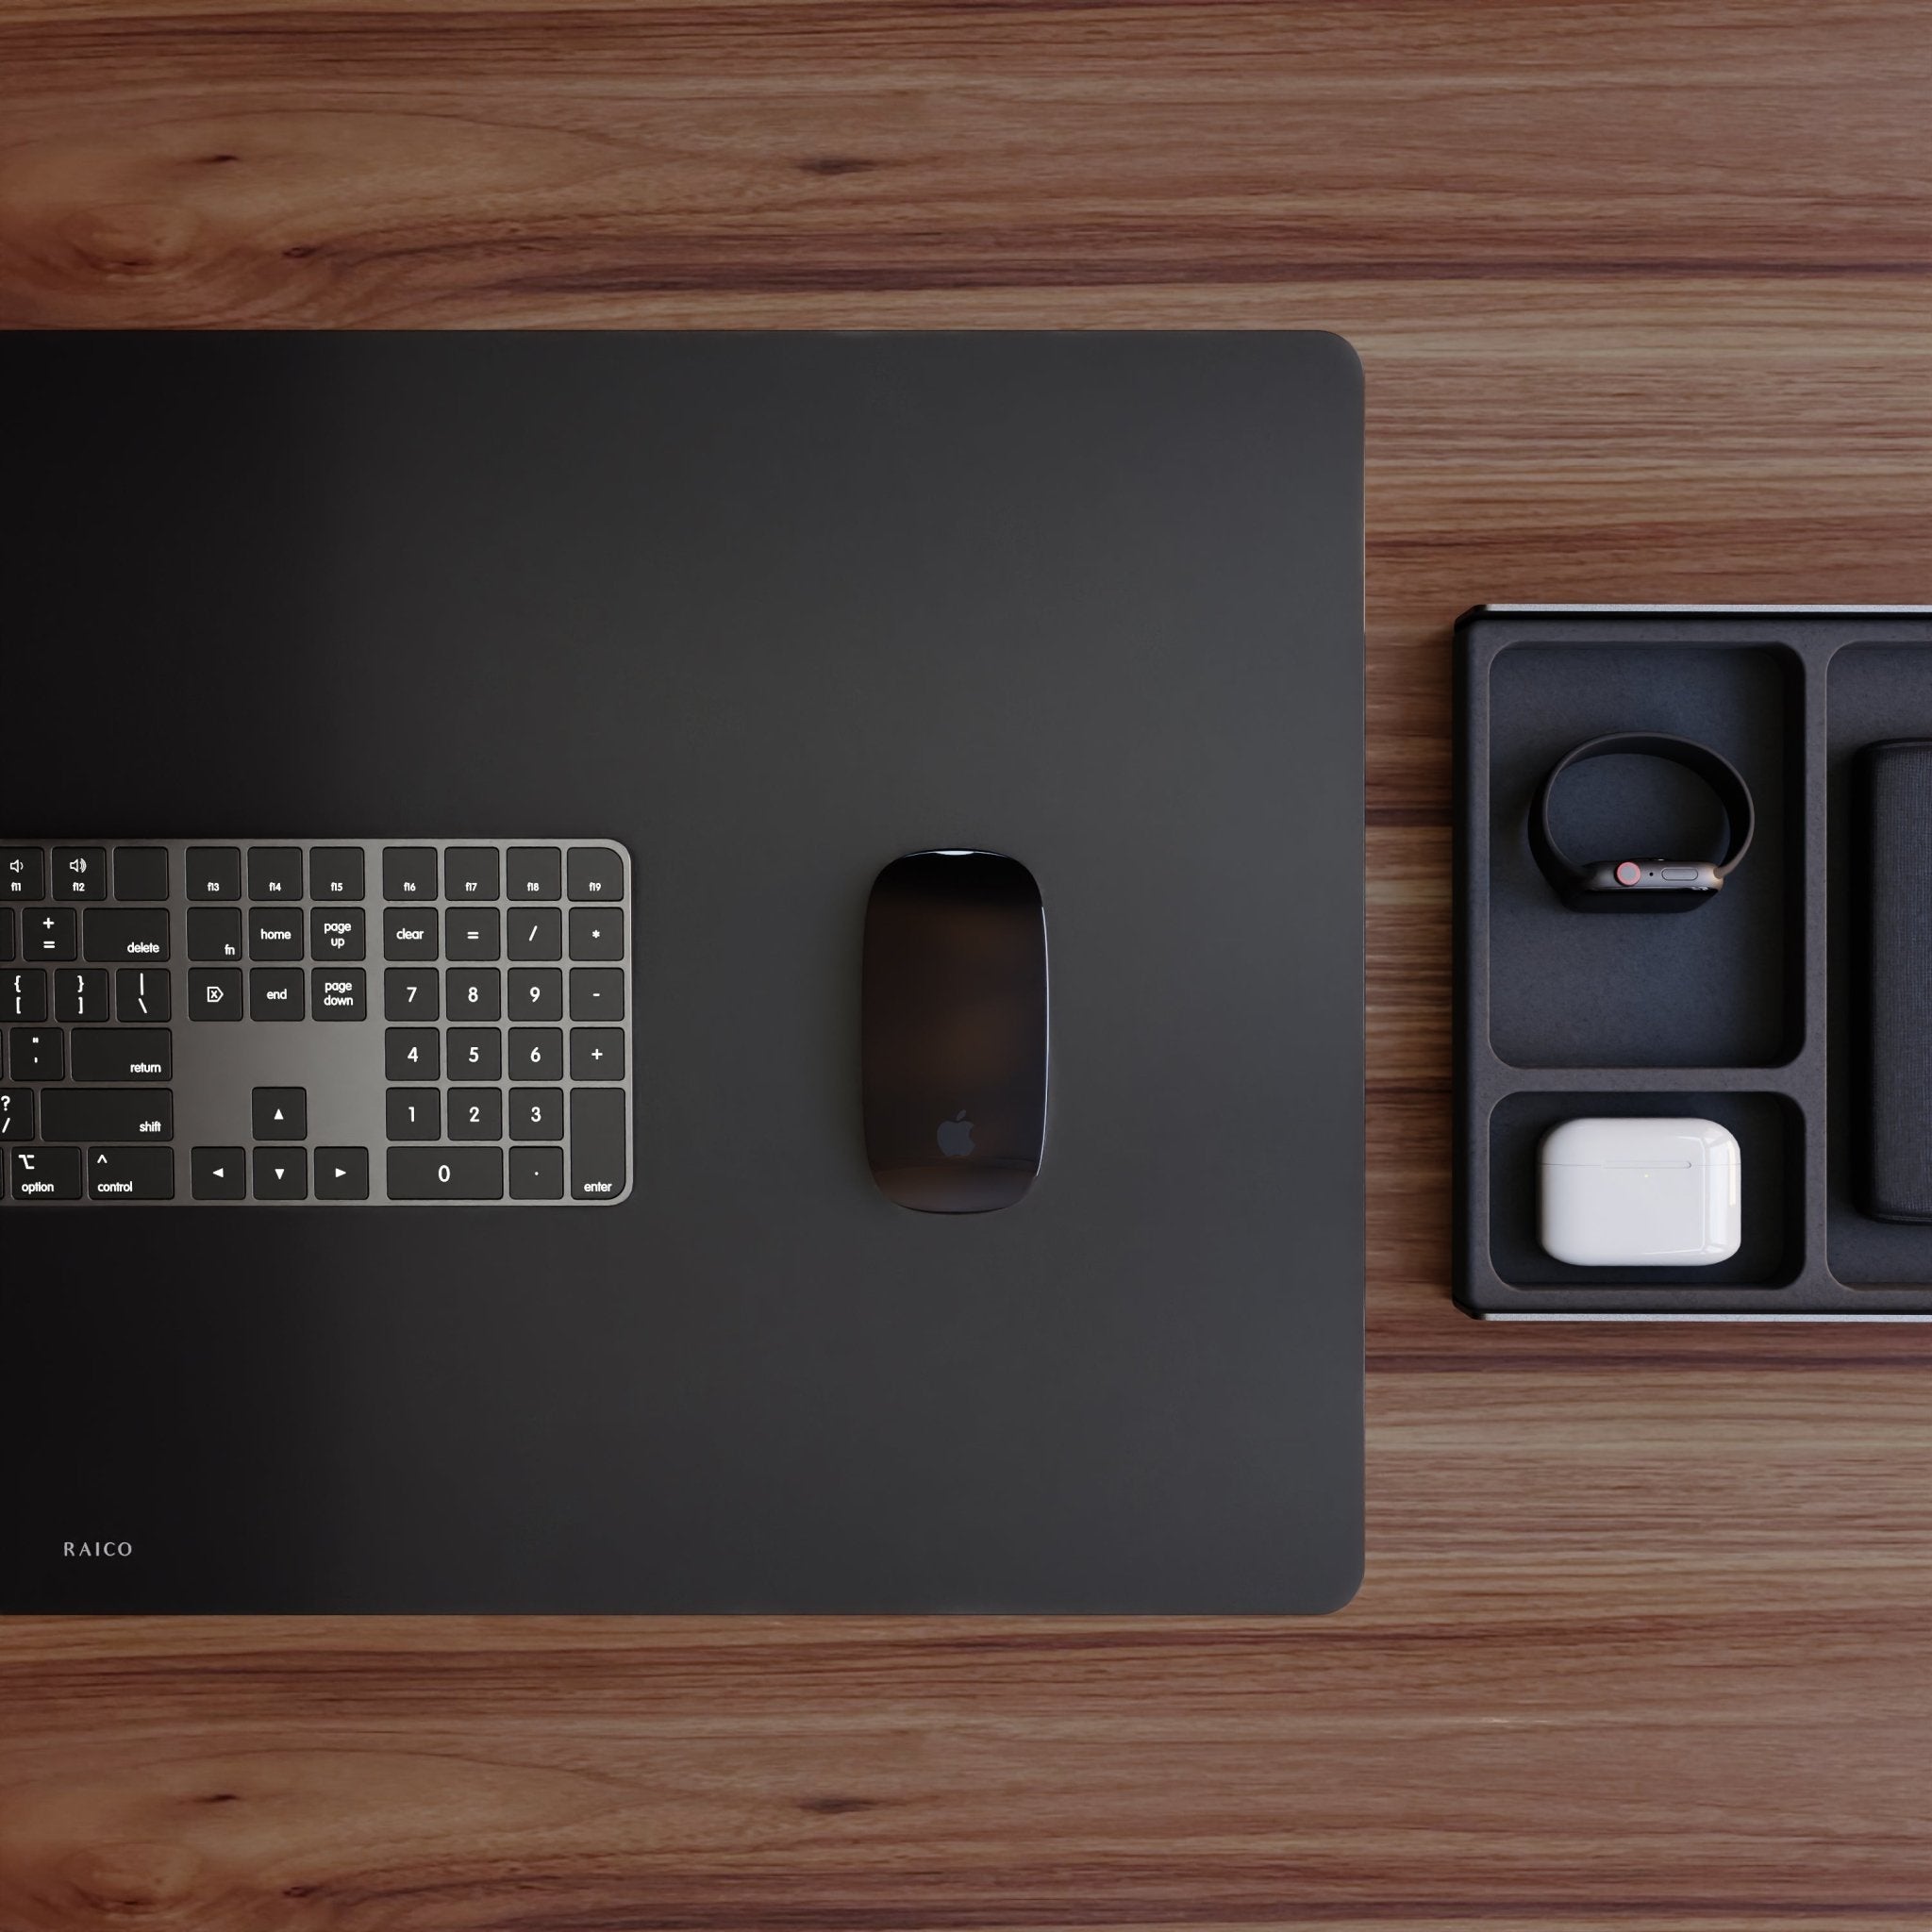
(1640,1193)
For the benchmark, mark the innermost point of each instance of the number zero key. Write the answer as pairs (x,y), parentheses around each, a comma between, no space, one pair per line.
(445,1174)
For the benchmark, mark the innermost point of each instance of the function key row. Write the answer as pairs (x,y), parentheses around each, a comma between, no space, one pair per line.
(586,874)
(80,872)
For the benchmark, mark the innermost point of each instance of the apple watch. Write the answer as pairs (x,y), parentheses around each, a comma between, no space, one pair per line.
(1643,885)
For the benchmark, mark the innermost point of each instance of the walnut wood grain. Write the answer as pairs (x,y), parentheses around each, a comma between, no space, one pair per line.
(1644,293)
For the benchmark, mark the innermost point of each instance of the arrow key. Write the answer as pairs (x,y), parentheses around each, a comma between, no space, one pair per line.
(281,1174)
(281,1113)
(220,1173)
(342,1173)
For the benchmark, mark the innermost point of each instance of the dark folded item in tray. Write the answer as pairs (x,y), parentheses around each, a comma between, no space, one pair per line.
(1894,808)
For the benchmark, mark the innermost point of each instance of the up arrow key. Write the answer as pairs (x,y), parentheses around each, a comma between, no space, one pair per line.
(280,1113)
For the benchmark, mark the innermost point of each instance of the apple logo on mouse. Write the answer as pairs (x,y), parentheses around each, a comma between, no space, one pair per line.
(955,1136)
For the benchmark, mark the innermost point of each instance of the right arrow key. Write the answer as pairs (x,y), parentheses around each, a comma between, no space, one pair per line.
(342,1173)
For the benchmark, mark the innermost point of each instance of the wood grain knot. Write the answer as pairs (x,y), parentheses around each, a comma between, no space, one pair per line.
(133,237)
(837,1808)
(837,164)
(133,1878)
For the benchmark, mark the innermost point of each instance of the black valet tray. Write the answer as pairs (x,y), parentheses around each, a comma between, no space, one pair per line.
(1742,1011)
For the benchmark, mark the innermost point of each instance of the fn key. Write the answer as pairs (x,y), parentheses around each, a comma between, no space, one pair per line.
(596,1143)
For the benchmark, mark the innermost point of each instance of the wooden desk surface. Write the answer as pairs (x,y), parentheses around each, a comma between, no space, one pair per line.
(1644,294)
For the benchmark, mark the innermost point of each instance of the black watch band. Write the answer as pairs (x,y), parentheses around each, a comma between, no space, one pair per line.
(1643,885)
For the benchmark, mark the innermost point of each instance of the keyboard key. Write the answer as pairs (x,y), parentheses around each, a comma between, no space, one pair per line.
(536,1113)
(279,1113)
(130,1174)
(536,1173)
(123,1053)
(338,932)
(472,933)
(536,993)
(342,1173)
(115,933)
(8,944)
(141,872)
(596,1144)
(24,994)
(596,932)
(23,874)
(470,873)
(37,1053)
(342,992)
(473,992)
(596,992)
(409,872)
(218,1174)
(596,1052)
(214,993)
(335,874)
(536,1053)
(408,994)
(214,871)
(281,1174)
(274,932)
(49,933)
(142,993)
(275,872)
(412,1053)
(275,992)
(596,873)
(214,932)
(408,932)
(535,871)
(46,1173)
(80,872)
(412,1113)
(475,1113)
(476,1053)
(80,992)
(536,932)
(445,1174)
(106,1113)
(16,1113)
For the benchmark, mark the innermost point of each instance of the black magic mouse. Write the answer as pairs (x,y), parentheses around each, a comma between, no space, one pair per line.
(953,1039)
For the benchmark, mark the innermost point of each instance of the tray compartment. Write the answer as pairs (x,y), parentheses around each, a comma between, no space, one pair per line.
(1770,1131)
(1874,692)
(1719,987)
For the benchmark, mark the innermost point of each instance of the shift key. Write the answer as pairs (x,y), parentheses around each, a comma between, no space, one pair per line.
(123,1053)
(106,1113)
